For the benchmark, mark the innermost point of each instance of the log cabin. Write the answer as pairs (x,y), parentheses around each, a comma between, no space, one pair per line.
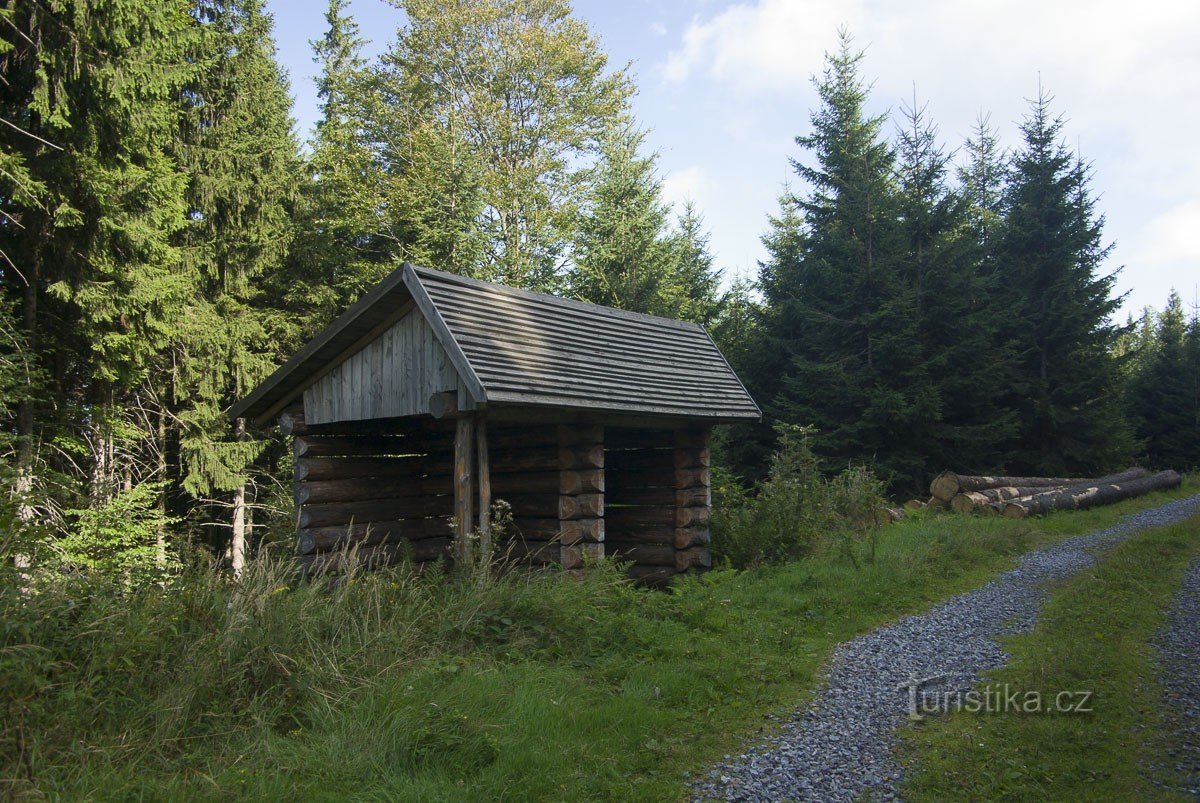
(441,417)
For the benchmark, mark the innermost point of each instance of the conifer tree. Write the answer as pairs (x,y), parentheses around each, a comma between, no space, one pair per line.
(622,256)
(839,330)
(244,172)
(342,247)
(693,283)
(955,307)
(90,197)
(1163,401)
(1066,381)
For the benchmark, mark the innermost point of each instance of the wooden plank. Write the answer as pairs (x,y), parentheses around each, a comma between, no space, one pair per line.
(626,438)
(291,420)
(430,311)
(577,481)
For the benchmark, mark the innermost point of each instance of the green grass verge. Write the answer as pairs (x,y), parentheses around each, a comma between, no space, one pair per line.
(393,687)
(1093,635)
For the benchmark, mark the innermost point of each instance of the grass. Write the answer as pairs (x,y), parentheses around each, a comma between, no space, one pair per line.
(396,687)
(1094,635)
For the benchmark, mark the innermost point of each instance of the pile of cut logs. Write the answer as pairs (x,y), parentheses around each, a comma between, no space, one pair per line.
(1019,497)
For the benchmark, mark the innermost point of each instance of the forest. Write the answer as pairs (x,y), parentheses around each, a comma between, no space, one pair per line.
(166,241)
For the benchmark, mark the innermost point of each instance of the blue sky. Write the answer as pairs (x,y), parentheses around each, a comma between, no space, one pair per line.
(724,88)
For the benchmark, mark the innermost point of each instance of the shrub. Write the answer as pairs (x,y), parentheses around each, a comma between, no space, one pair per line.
(797,509)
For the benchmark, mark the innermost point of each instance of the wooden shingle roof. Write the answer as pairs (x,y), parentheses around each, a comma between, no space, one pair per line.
(514,347)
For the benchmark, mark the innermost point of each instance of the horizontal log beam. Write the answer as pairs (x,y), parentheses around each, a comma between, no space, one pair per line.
(341,513)
(697,557)
(355,490)
(643,554)
(651,575)
(554,482)
(642,497)
(692,536)
(691,497)
(574,557)
(622,517)
(366,445)
(945,485)
(328,539)
(692,458)
(580,506)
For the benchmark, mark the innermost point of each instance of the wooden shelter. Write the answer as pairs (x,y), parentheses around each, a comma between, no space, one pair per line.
(434,397)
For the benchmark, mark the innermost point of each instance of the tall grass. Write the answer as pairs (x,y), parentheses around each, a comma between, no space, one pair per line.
(399,685)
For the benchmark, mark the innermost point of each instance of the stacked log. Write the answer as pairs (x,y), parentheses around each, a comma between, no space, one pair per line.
(1018,497)
(373,496)
(1081,497)
(580,502)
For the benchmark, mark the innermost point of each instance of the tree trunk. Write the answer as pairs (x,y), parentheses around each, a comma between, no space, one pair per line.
(947,484)
(973,500)
(237,537)
(1081,497)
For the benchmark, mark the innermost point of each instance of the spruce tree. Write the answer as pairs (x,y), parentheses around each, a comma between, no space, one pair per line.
(956,310)
(90,197)
(839,331)
(693,284)
(622,256)
(1066,381)
(342,249)
(1163,392)
(244,173)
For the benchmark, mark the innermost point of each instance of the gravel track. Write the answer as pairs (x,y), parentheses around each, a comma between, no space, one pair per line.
(1179,651)
(841,747)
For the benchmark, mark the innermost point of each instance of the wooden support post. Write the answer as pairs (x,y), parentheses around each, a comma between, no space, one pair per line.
(485,488)
(581,494)
(464,442)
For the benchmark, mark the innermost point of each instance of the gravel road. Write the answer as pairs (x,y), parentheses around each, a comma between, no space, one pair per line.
(840,748)
(1179,651)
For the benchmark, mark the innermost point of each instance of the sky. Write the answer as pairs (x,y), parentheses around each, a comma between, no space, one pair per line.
(726,87)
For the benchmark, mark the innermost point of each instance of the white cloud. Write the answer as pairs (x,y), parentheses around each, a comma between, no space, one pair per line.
(774,44)
(1126,76)
(689,184)
(658,29)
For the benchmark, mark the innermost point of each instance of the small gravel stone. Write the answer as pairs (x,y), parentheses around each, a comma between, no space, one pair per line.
(1179,656)
(841,747)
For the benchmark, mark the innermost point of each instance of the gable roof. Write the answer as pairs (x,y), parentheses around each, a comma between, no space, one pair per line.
(513,346)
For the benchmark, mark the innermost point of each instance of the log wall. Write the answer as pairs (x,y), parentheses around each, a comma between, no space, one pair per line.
(555,494)
(659,501)
(389,492)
